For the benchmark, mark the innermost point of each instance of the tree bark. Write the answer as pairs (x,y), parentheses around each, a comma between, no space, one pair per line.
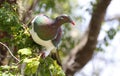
(80,55)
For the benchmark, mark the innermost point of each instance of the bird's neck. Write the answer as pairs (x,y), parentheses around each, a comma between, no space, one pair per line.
(57,24)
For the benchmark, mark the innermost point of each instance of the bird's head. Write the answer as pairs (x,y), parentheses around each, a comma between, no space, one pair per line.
(65,19)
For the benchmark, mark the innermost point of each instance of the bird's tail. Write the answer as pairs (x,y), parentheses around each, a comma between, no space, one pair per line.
(55,55)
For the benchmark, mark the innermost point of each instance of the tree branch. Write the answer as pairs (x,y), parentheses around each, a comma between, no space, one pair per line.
(9,51)
(79,57)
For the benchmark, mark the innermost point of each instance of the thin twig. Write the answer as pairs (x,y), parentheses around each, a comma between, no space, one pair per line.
(9,51)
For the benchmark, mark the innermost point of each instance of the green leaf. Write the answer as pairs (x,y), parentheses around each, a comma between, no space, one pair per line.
(31,65)
(49,67)
(5,67)
(111,33)
(25,51)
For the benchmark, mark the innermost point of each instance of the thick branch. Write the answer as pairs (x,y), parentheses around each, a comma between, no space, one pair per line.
(79,57)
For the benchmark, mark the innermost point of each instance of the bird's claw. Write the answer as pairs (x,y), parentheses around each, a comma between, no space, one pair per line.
(42,55)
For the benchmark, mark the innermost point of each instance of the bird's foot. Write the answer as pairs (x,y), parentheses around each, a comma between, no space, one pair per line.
(42,54)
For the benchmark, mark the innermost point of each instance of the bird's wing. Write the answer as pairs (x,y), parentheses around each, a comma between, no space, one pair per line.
(57,39)
(41,20)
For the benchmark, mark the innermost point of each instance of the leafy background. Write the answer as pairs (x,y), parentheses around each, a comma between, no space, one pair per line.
(15,15)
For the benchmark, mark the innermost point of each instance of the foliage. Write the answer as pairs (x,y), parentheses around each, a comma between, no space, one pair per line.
(10,23)
(18,39)
(9,70)
(110,34)
(45,6)
(9,18)
(25,51)
(33,66)
(54,68)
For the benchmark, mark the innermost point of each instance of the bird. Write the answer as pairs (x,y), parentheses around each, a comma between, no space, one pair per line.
(47,32)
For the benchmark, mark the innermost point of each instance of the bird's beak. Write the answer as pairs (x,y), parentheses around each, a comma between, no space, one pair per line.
(72,22)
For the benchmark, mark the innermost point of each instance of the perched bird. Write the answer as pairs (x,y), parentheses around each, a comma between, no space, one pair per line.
(48,32)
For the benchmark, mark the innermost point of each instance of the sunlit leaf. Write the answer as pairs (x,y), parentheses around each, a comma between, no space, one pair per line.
(31,65)
(25,51)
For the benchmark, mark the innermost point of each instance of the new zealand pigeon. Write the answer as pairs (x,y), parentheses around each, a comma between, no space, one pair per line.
(48,32)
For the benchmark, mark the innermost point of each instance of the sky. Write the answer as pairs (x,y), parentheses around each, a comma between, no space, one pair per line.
(105,63)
